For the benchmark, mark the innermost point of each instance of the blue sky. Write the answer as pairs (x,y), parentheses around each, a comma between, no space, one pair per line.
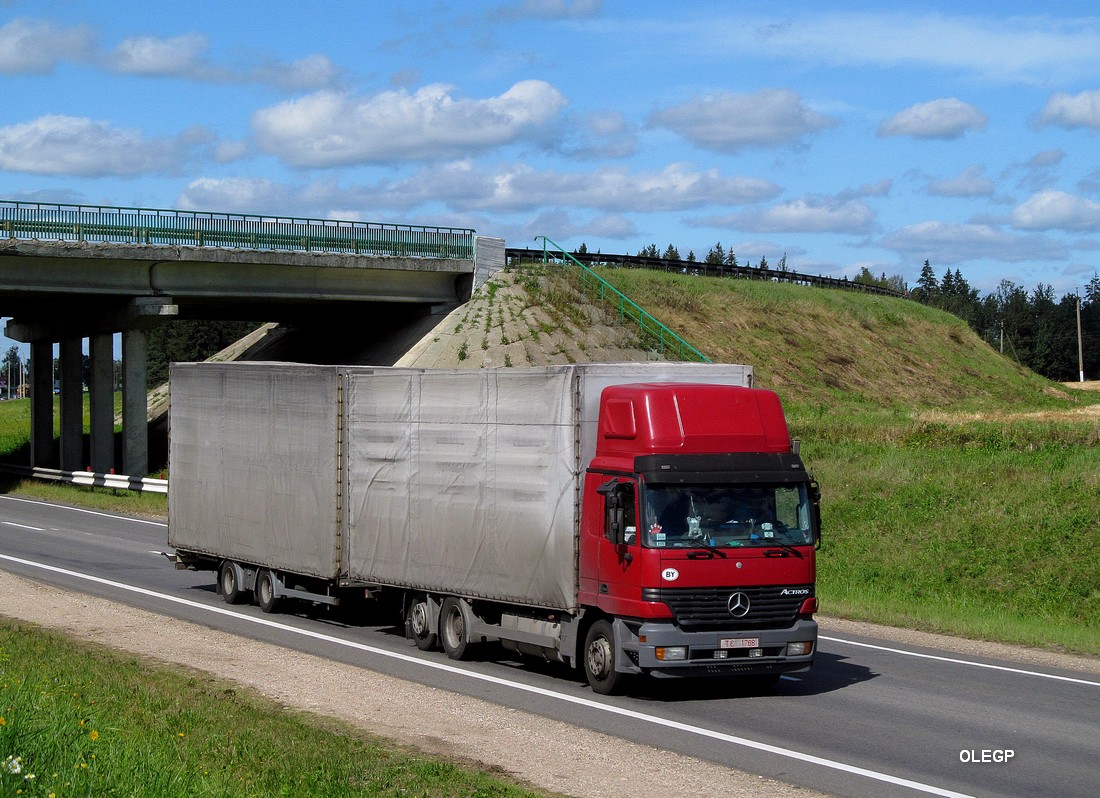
(842,135)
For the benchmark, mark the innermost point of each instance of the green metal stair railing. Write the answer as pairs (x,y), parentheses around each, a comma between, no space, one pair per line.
(650,330)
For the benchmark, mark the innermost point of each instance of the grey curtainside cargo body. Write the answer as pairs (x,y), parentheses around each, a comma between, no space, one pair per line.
(457,481)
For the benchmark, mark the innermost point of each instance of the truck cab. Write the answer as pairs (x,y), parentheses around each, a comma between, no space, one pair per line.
(698,536)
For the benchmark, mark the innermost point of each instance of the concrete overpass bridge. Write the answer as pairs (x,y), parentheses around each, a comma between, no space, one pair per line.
(75,272)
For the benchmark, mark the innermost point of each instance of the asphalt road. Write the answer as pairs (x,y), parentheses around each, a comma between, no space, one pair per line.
(872,718)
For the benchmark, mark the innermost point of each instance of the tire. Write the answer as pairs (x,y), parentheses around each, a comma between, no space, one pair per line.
(599,659)
(229,586)
(265,591)
(417,624)
(454,632)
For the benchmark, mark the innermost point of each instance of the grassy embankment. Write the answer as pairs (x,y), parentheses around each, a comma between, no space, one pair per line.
(79,720)
(961,493)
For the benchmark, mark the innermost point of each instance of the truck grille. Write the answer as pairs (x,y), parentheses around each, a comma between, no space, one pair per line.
(708,608)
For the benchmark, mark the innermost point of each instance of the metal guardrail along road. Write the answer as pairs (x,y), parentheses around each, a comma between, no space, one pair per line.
(150,226)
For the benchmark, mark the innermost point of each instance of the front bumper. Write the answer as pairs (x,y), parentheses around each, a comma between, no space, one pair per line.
(637,645)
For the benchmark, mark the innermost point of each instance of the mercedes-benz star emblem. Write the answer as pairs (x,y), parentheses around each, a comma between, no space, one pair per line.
(738,605)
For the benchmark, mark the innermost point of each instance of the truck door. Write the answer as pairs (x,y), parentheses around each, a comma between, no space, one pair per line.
(618,544)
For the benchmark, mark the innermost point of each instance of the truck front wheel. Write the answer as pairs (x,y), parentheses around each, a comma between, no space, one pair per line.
(599,658)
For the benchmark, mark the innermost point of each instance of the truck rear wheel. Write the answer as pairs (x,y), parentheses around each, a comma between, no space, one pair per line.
(418,624)
(454,631)
(229,585)
(599,658)
(265,591)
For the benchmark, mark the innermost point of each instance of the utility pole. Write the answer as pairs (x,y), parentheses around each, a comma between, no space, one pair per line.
(1080,348)
(1002,336)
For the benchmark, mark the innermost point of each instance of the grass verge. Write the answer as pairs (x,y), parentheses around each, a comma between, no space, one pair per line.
(79,720)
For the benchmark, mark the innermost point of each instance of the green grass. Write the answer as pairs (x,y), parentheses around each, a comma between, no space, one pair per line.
(981,530)
(79,720)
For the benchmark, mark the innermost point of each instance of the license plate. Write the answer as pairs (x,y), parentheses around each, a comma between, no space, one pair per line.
(739,642)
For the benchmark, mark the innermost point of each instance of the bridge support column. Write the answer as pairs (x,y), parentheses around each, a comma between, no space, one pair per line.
(135,408)
(41,403)
(72,405)
(101,404)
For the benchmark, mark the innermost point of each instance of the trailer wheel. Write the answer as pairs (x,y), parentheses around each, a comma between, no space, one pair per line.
(599,658)
(228,584)
(454,631)
(418,624)
(265,591)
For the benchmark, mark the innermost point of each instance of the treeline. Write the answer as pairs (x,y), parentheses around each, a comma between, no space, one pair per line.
(1033,327)
(186,341)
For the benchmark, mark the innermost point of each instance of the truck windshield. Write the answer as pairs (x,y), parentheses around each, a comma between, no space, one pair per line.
(687,516)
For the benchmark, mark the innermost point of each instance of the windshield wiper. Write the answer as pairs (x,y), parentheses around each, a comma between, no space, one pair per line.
(702,544)
(786,547)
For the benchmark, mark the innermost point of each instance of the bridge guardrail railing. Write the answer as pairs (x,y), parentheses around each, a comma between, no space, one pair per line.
(150,226)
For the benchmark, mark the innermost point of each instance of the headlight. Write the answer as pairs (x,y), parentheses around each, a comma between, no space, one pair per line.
(800,649)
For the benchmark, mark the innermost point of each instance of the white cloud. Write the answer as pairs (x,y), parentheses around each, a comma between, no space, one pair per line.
(186,57)
(999,46)
(1056,210)
(952,243)
(807,215)
(237,195)
(1070,111)
(939,119)
(78,146)
(464,189)
(600,135)
(36,47)
(306,74)
(728,122)
(676,187)
(150,56)
(331,128)
(971,182)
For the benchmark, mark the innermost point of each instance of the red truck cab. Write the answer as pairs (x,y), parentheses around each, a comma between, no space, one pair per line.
(698,535)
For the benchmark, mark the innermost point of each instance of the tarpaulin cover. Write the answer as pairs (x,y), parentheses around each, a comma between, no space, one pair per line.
(252,464)
(465,482)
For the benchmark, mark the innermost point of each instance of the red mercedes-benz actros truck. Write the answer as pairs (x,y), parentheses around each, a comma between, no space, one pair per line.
(624,518)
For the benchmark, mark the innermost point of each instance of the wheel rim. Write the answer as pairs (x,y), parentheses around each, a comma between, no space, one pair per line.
(456,628)
(266,590)
(229,582)
(599,658)
(418,619)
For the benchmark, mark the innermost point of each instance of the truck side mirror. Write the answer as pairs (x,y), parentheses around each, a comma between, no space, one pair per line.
(815,500)
(615,522)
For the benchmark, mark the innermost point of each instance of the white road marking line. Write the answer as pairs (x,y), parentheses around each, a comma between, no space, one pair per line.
(956,661)
(540,691)
(83,510)
(23,526)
